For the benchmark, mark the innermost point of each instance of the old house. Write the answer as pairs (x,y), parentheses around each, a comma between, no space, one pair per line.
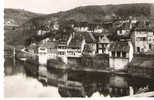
(126,26)
(76,46)
(124,30)
(120,54)
(62,46)
(103,42)
(143,39)
(47,51)
(90,46)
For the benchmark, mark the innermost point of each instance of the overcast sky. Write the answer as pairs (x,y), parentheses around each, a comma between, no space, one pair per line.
(52,6)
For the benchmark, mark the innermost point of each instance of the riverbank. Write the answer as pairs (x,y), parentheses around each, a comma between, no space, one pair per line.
(98,64)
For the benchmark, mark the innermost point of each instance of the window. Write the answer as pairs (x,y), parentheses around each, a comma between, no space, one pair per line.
(150,47)
(143,38)
(118,54)
(138,39)
(61,53)
(123,54)
(138,49)
(113,54)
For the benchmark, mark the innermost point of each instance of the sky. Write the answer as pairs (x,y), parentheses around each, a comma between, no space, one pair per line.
(52,6)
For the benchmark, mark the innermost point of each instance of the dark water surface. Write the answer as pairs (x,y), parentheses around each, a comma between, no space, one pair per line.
(27,80)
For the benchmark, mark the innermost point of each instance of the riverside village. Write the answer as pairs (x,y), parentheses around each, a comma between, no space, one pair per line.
(114,58)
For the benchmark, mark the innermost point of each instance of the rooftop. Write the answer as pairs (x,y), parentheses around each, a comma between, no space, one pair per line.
(119,46)
(76,41)
(48,44)
(89,37)
(144,26)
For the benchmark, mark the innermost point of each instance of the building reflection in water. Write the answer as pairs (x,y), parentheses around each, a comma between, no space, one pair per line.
(81,84)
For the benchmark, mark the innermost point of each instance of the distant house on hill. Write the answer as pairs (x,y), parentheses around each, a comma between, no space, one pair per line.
(120,54)
(143,39)
(10,25)
(56,26)
(124,30)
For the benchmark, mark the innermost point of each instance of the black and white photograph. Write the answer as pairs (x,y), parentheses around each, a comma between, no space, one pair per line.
(78,49)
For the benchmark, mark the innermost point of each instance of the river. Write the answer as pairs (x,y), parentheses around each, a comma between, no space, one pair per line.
(27,80)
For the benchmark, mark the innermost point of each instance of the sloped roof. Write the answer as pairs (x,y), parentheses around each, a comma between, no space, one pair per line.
(144,26)
(119,46)
(76,41)
(146,62)
(89,37)
(105,32)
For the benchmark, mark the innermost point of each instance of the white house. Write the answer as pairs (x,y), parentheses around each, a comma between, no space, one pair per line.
(46,51)
(143,41)
(120,54)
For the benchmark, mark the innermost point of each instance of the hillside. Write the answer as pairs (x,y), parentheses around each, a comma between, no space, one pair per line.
(101,13)
(92,14)
(18,16)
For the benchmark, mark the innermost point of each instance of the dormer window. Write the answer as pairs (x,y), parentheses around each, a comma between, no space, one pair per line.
(123,54)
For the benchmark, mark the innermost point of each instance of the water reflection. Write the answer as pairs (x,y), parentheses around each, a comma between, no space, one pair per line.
(75,83)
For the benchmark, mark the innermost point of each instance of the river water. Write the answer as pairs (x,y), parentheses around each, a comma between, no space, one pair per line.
(27,80)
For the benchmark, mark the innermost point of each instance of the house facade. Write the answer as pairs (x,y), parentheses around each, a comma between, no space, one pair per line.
(47,51)
(90,46)
(143,41)
(76,46)
(103,43)
(120,54)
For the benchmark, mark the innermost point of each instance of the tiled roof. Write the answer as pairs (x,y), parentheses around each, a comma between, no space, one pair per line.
(76,41)
(142,26)
(119,46)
